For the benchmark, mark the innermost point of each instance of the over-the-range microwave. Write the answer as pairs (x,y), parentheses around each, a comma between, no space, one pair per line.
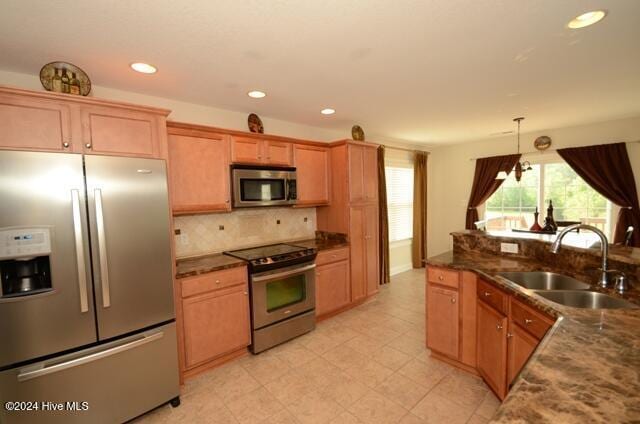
(263,186)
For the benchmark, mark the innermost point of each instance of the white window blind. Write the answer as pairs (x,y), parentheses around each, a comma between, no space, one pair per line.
(400,202)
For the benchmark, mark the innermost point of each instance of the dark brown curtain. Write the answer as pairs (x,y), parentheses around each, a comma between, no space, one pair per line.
(383,219)
(608,170)
(485,183)
(419,242)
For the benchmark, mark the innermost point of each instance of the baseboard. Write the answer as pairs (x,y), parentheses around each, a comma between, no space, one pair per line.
(400,268)
(192,372)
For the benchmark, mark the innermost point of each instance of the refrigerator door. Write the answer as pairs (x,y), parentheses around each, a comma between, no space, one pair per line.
(130,243)
(42,196)
(111,383)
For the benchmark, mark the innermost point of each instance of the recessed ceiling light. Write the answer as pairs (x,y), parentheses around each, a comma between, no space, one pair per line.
(328,111)
(256,94)
(587,19)
(144,68)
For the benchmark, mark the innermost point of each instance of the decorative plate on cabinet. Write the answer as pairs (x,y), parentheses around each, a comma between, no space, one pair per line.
(357,133)
(542,143)
(255,124)
(63,77)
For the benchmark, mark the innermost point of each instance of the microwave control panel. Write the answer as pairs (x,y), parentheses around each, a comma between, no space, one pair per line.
(24,242)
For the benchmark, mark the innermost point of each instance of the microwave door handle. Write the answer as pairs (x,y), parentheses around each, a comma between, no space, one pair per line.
(80,259)
(102,250)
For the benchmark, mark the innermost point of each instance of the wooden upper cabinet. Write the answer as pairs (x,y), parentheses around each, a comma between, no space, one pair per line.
(371,248)
(521,346)
(332,287)
(34,124)
(492,348)
(115,131)
(246,150)
(356,173)
(370,174)
(443,322)
(313,173)
(277,153)
(199,173)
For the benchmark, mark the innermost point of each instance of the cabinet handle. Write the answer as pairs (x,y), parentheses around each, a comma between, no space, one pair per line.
(486,294)
(226,201)
(509,335)
(88,145)
(498,327)
(65,144)
(217,281)
(245,293)
(453,300)
(440,277)
(527,321)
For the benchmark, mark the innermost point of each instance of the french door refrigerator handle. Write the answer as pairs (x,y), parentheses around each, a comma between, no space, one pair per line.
(77,231)
(102,250)
(28,375)
(283,274)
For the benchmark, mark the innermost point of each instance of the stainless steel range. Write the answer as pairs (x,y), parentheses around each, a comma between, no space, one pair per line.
(282,288)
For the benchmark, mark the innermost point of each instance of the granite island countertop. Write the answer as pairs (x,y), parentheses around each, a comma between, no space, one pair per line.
(586,368)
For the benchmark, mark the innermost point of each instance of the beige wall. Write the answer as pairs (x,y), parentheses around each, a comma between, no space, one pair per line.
(450,170)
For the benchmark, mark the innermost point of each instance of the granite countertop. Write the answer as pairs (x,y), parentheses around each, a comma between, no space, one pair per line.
(586,368)
(215,262)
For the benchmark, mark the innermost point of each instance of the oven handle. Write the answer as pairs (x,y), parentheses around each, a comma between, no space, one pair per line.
(283,274)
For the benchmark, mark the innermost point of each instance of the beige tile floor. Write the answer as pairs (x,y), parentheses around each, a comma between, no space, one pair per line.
(367,365)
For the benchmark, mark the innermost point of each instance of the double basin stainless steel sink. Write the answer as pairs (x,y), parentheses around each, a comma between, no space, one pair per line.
(565,290)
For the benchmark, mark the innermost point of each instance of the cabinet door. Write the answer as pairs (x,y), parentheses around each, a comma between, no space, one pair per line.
(124,132)
(492,348)
(312,168)
(357,244)
(356,173)
(34,124)
(215,324)
(521,346)
(370,171)
(443,321)
(199,174)
(246,150)
(332,287)
(371,248)
(278,153)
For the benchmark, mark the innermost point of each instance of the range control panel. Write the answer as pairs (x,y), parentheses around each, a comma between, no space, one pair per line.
(24,242)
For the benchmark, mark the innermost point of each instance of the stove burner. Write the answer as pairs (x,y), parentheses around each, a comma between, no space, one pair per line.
(273,256)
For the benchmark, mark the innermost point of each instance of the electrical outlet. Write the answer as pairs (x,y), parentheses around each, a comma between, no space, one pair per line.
(509,247)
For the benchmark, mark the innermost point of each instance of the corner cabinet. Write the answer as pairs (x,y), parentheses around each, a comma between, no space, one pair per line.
(313,174)
(198,171)
(44,121)
(492,348)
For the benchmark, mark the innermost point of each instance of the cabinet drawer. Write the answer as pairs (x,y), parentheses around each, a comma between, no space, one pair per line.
(213,281)
(334,255)
(442,276)
(534,322)
(493,296)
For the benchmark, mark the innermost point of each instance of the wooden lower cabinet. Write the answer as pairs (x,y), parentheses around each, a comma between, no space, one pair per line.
(333,290)
(492,348)
(521,347)
(443,332)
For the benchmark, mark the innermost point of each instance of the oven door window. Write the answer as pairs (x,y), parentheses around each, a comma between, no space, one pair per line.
(262,190)
(285,292)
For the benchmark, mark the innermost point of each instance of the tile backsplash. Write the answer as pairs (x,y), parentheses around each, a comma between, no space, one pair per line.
(214,233)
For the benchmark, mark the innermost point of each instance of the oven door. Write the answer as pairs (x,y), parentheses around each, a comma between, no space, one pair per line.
(262,187)
(283,293)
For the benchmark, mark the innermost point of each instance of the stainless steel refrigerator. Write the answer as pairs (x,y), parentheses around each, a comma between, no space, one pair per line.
(86,298)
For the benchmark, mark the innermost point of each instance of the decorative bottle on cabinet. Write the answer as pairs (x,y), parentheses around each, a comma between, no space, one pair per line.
(74,84)
(56,81)
(65,81)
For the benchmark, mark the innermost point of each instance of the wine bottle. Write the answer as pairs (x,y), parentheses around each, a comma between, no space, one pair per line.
(74,84)
(65,81)
(552,221)
(56,81)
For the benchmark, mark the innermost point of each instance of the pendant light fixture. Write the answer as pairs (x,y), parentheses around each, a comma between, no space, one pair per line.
(520,167)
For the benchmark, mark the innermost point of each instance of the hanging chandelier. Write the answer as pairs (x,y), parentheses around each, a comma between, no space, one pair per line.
(520,167)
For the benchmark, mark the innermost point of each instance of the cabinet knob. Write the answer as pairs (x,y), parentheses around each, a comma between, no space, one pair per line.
(509,335)
(245,293)
(440,277)
(88,145)
(226,201)
(498,327)
(453,300)
(527,321)
(217,281)
(65,144)
(486,294)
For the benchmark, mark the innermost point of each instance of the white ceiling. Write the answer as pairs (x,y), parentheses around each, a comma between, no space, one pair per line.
(438,71)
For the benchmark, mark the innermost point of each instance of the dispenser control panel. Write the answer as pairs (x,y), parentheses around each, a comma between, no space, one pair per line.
(24,242)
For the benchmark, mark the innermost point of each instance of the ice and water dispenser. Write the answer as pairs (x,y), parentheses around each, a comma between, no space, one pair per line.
(24,261)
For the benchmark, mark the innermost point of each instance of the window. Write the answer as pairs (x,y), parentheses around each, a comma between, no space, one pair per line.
(400,202)
(513,204)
